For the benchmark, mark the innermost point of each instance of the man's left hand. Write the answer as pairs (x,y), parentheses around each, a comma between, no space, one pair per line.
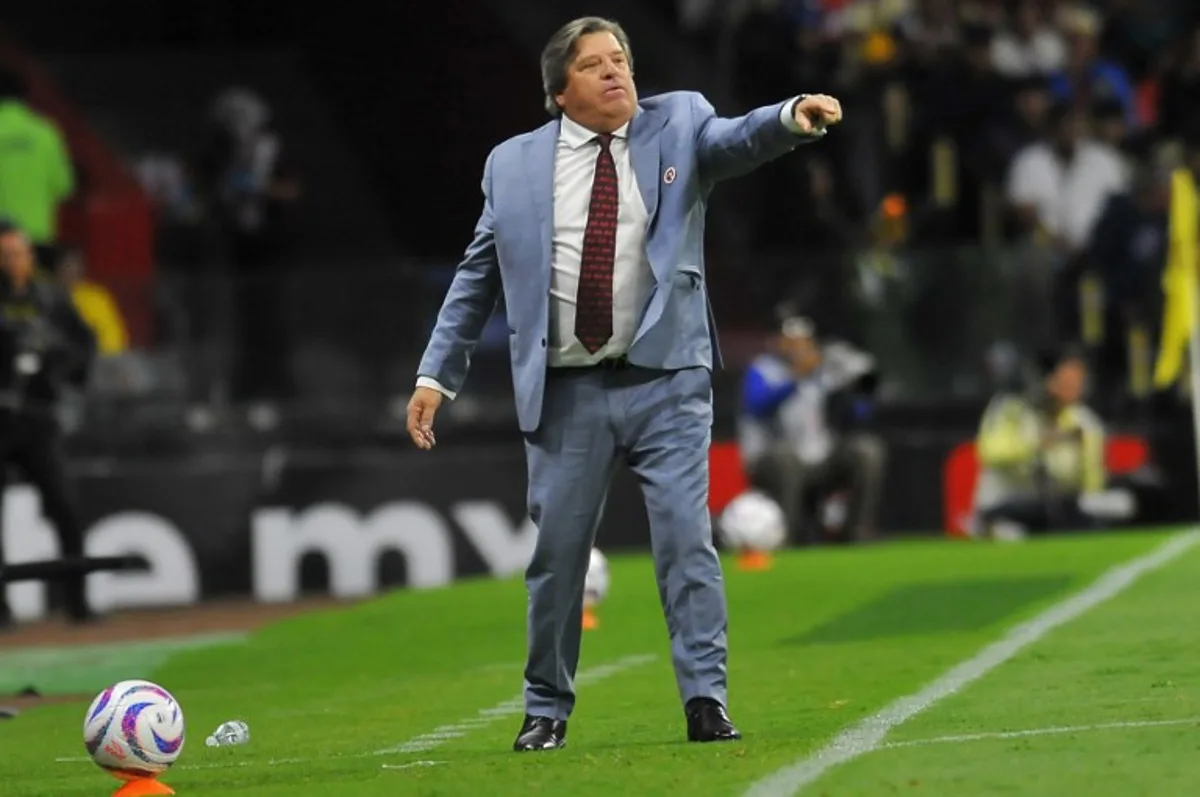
(816,111)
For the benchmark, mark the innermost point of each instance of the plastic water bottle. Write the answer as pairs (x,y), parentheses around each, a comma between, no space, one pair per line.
(229,734)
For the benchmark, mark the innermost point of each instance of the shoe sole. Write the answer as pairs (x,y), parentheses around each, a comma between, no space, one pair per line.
(558,746)
(698,740)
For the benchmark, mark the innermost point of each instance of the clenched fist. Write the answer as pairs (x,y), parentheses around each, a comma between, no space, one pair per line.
(816,111)
(421,409)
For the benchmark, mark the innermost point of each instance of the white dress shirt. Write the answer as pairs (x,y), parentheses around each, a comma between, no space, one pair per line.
(574,169)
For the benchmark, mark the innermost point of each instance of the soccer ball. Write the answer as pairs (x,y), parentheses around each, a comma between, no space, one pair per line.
(595,585)
(134,730)
(752,522)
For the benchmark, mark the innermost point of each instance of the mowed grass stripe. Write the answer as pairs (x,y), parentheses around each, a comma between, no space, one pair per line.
(83,669)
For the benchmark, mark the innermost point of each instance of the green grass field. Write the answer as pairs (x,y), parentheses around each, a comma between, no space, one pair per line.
(1105,703)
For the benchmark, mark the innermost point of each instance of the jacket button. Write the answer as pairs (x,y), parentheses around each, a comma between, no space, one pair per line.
(543,343)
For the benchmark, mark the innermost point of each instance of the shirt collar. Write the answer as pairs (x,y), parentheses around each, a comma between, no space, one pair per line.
(575,135)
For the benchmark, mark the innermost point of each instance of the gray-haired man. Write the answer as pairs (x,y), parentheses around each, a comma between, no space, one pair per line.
(593,229)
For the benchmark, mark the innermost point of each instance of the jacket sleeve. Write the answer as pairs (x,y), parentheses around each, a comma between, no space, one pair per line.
(733,147)
(76,342)
(762,392)
(469,302)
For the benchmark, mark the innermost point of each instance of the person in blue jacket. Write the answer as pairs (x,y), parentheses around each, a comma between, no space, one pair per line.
(804,429)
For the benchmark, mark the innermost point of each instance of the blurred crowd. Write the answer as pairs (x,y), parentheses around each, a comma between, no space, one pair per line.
(218,209)
(221,206)
(1046,128)
(1038,134)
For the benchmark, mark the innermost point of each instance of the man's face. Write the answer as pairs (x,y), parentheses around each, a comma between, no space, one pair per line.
(1111,130)
(1033,106)
(70,269)
(1067,382)
(16,256)
(600,94)
(1028,18)
(1081,51)
(979,57)
(1069,130)
(803,352)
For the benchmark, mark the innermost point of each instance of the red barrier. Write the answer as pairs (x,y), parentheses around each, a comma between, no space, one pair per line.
(726,477)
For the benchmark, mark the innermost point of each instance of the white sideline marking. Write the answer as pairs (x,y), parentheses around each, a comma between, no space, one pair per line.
(976,737)
(444,733)
(412,764)
(274,762)
(868,735)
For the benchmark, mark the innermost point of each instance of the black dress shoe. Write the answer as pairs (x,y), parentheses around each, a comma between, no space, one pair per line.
(541,733)
(708,722)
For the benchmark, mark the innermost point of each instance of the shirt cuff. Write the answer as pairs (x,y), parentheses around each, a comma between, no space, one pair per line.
(433,384)
(787,115)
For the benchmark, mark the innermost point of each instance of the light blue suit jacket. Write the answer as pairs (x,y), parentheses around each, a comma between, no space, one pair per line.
(511,249)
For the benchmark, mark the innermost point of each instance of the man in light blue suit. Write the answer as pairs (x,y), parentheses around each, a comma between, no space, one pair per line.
(593,230)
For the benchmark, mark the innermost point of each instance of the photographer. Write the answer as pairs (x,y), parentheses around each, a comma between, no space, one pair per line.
(44,345)
(804,430)
(1041,456)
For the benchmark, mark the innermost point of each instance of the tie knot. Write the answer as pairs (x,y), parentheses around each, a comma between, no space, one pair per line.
(605,140)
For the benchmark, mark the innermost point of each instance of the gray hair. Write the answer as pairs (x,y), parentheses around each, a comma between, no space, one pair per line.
(560,52)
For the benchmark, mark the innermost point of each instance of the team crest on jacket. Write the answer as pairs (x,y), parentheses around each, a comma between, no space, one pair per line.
(669,175)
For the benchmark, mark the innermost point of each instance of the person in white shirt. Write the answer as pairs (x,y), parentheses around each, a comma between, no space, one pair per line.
(1058,187)
(1057,190)
(1031,47)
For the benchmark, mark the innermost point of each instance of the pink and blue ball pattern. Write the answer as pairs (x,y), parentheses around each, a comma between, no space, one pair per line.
(129,729)
(93,744)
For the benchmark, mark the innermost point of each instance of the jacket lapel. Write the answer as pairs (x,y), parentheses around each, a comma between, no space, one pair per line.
(645,153)
(539,168)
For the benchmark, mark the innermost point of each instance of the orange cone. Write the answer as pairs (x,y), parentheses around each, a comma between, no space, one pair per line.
(590,621)
(143,787)
(753,561)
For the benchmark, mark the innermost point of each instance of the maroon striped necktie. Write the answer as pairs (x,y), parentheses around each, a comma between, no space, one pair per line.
(593,301)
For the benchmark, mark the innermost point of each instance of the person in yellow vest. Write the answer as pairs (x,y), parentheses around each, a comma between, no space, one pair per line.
(1041,456)
(94,303)
(35,169)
